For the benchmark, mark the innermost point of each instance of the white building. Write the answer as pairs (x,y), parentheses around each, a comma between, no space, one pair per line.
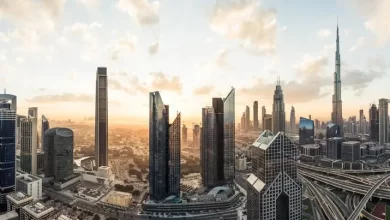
(30,185)
(17,200)
(36,211)
(241,163)
(103,175)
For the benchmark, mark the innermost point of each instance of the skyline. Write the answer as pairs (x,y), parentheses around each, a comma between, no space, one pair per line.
(145,49)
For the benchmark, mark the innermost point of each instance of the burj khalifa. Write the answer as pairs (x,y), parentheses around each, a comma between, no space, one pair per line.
(337,110)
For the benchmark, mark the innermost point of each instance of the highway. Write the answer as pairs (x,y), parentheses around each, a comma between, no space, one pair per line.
(355,201)
(372,171)
(341,205)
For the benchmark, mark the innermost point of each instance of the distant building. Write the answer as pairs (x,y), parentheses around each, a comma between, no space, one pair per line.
(274,193)
(337,103)
(332,130)
(101,118)
(241,163)
(247,118)
(306,131)
(30,185)
(45,126)
(350,151)
(268,122)
(292,120)
(263,112)
(333,148)
(374,123)
(40,161)
(184,135)
(383,121)
(119,199)
(196,136)
(255,115)
(311,151)
(278,112)
(29,143)
(36,210)
(58,149)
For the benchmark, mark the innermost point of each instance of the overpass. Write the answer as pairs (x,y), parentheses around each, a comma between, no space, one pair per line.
(370,171)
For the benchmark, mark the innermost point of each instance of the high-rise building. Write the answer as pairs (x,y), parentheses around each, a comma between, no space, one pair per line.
(361,123)
(263,112)
(332,130)
(274,190)
(164,150)
(8,141)
(58,147)
(247,118)
(383,121)
(337,109)
(374,123)
(278,113)
(333,148)
(317,124)
(45,126)
(208,148)
(306,131)
(292,120)
(29,144)
(18,123)
(196,136)
(243,121)
(350,151)
(184,135)
(101,118)
(256,115)
(229,121)
(268,122)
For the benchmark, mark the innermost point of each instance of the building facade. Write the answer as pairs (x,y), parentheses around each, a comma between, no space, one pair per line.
(184,135)
(274,190)
(350,151)
(383,121)
(58,149)
(29,144)
(196,136)
(278,112)
(174,156)
(45,126)
(256,115)
(229,121)
(30,185)
(8,141)
(208,148)
(247,118)
(101,118)
(292,120)
(374,123)
(306,131)
(333,148)
(263,112)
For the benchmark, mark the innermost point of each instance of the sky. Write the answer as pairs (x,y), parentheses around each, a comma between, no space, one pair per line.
(191,51)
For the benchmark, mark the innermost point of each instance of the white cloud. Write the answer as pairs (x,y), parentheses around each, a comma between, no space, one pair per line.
(19,59)
(116,48)
(3,56)
(359,43)
(142,11)
(89,3)
(153,49)
(221,58)
(311,66)
(4,38)
(85,31)
(324,32)
(248,22)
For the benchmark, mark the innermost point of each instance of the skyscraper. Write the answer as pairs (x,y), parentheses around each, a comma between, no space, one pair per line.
(8,141)
(306,131)
(58,147)
(29,143)
(218,141)
(374,123)
(361,117)
(247,118)
(101,118)
(337,109)
(45,127)
(263,112)
(292,120)
(184,135)
(243,121)
(278,112)
(164,150)
(256,115)
(196,136)
(383,121)
(274,190)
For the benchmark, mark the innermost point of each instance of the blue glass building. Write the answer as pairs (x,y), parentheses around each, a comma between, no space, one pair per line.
(7,146)
(306,131)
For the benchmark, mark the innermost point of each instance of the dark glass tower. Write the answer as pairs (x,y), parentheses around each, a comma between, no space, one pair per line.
(58,147)
(45,126)
(229,117)
(306,131)
(7,146)
(164,150)
(278,112)
(219,127)
(101,118)
(274,191)
(374,123)
(255,115)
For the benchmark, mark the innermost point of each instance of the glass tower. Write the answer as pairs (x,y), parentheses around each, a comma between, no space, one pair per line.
(306,131)
(101,118)
(229,135)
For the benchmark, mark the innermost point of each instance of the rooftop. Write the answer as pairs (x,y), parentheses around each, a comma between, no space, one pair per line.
(264,140)
(38,209)
(27,178)
(311,146)
(19,196)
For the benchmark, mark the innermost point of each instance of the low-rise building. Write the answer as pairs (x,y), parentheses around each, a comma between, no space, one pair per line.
(17,200)
(12,215)
(35,211)
(119,199)
(103,175)
(29,184)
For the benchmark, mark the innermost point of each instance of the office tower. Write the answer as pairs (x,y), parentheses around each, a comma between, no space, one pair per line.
(18,123)
(184,135)
(306,131)
(58,147)
(256,115)
(101,118)
(337,109)
(292,120)
(350,151)
(333,148)
(29,144)
(263,112)
(317,124)
(243,121)
(374,123)
(196,136)
(383,121)
(309,117)
(164,150)
(229,135)
(8,141)
(45,126)
(247,118)
(332,130)
(208,148)
(274,190)
(268,122)
(361,116)
(278,113)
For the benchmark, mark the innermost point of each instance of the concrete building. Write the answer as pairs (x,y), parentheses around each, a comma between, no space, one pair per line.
(8,139)
(164,150)
(16,200)
(101,118)
(337,104)
(274,190)
(311,151)
(255,115)
(292,120)
(35,211)
(278,112)
(12,215)
(383,121)
(29,143)
(350,151)
(30,185)
(58,149)
(119,199)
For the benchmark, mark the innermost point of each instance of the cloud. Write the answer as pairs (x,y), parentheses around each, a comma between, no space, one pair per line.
(133,87)
(246,21)
(162,82)
(221,58)
(377,15)
(324,32)
(116,48)
(64,97)
(153,48)
(311,66)
(89,3)
(359,43)
(4,37)
(142,11)
(203,90)
(83,31)
(358,80)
